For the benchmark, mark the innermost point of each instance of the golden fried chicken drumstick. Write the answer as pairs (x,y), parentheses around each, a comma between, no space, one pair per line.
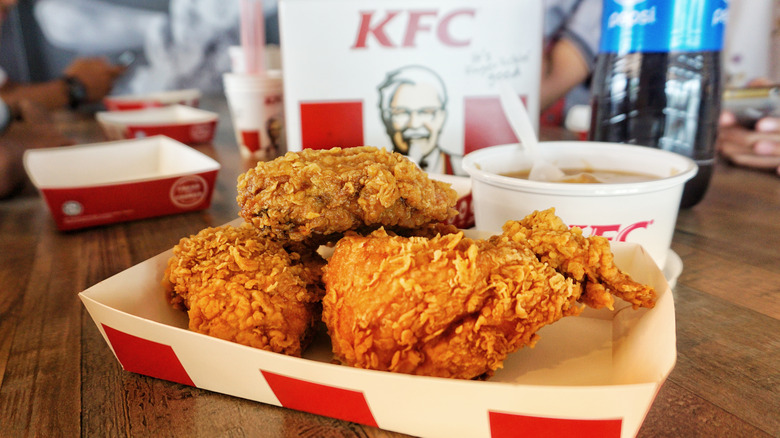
(315,194)
(243,288)
(585,259)
(445,306)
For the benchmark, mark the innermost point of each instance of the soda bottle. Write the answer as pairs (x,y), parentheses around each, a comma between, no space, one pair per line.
(657,79)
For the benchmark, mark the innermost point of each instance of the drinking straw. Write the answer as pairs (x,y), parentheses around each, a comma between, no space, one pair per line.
(253,35)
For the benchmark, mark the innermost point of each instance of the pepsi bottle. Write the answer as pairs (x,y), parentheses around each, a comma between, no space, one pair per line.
(657,80)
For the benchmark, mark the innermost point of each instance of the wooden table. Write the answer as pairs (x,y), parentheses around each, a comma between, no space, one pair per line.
(59,378)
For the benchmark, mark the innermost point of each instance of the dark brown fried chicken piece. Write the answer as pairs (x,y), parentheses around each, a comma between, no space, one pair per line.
(239,286)
(319,194)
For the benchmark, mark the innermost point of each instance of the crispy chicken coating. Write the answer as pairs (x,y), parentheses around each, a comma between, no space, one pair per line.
(585,259)
(320,194)
(240,287)
(450,306)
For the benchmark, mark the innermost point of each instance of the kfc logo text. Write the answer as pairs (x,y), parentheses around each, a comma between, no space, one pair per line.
(617,233)
(374,24)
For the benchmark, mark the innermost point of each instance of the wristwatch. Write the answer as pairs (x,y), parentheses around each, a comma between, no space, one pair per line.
(77,92)
(5,116)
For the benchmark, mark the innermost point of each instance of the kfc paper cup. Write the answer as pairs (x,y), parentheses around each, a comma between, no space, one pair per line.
(257,108)
(640,212)
(464,204)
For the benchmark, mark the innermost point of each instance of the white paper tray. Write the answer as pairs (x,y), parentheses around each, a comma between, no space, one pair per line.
(597,373)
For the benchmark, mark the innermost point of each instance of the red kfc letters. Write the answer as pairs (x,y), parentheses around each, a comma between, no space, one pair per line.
(375,24)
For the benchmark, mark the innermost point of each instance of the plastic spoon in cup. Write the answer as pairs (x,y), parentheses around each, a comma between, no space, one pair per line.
(519,120)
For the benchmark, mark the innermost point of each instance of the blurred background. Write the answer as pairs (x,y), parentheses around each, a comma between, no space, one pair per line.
(752,42)
(171,44)
(176,44)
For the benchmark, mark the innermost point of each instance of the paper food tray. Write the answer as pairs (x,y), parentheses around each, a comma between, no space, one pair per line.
(179,122)
(102,183)
(190,97)
(592,375)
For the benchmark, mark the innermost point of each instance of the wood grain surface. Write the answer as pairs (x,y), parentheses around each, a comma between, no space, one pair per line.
(58,377)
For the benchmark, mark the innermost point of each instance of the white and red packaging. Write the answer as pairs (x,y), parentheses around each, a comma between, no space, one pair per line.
(596,374)
(124,102)
(103,183)
(343,61)
(180,122)
(465,204)
(256,106)
(643,211)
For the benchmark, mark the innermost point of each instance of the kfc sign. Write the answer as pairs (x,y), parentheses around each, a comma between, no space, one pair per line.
(434,104)
(617,233)
(375,27)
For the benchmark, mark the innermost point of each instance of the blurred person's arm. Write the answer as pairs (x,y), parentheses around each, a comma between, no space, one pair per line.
(88,81)
(33,129)
(563,68)
(572,34)
(758,148)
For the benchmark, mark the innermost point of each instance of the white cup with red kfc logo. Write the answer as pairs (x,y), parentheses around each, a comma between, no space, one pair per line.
(256,103)
(642,211)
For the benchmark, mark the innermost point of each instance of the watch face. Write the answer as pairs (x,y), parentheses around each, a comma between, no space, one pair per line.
(80,92)
(5,116)
(77,92)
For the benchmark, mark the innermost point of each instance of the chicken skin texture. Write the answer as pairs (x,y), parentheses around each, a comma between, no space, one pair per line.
(585,259)
(317,195)
(448,306)
(241,287)
(445,306)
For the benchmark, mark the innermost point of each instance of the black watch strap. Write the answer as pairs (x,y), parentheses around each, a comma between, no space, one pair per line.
(77,92)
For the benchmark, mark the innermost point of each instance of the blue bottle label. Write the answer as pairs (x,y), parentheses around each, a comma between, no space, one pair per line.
(663,25)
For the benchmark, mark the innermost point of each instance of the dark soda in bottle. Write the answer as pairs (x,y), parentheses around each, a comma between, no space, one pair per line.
(657,80)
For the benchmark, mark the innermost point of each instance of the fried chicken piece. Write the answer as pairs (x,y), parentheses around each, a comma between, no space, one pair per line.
(585,259)
(241,287)
(447,306)
(428,231)
(320,194)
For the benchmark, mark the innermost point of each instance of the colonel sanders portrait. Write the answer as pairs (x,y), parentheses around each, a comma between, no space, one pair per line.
(413,106)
